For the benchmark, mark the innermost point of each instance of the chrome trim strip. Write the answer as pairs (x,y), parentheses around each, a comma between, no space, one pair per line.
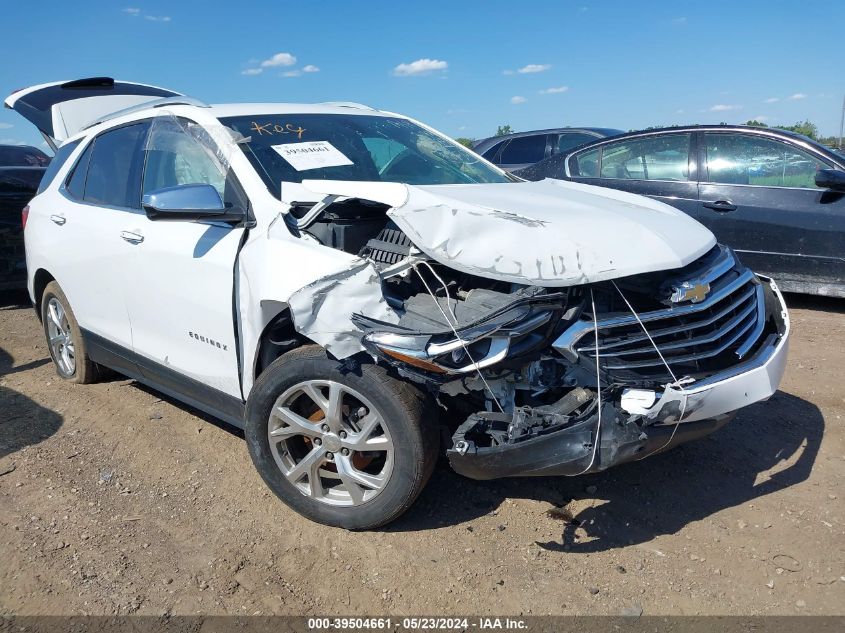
(565,343)
(714,298)
(832,258)
(688,357)
(702,340)
(724,262)
(679,328)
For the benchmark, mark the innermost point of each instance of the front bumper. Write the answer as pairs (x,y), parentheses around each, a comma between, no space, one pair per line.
(748,382)
(680,414)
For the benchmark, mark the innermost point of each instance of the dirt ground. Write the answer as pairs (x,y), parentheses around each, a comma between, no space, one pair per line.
(114,500)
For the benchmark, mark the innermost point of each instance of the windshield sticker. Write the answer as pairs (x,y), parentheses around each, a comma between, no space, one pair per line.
(276,128)
(311,155)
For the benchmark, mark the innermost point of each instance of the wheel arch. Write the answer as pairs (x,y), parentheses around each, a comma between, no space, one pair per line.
(278,337)
(40,279)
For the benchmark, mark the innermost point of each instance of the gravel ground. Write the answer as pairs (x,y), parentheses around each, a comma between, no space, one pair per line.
(116,500)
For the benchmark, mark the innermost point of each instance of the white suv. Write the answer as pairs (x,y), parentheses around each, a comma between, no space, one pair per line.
(344,283)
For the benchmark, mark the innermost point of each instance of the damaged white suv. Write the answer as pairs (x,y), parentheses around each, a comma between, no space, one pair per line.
(344,283)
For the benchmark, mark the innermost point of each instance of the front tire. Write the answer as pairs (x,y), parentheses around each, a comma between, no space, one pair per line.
(347,449)
(64,338)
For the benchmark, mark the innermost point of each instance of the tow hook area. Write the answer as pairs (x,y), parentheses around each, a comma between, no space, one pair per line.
(532,442)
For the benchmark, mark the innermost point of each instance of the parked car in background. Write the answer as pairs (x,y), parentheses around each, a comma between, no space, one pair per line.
(324,275)
(521,149)
(21,168)
(775,197)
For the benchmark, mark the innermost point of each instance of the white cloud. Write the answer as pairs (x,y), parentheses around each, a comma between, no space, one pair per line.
(797,96)
(771,100)
(517,100)
(279,59)
(721,107)
(679,21)
(761,118)
(422,66)
(533,68)
(508,72)
(554,91)
(11,141)
(134,12)
(679,111)
(5,126)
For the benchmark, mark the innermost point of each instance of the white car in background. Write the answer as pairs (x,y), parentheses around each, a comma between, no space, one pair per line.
(326,275)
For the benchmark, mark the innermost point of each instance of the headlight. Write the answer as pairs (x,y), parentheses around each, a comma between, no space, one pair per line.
(476,347)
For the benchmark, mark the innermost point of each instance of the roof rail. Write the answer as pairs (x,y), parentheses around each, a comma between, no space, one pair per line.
(155,103)
(348,104)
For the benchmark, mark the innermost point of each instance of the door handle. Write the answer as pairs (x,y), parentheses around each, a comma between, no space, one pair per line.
(58,219)
(722,206)
(132,238)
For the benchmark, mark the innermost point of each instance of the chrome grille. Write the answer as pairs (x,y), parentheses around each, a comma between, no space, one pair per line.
(692,337)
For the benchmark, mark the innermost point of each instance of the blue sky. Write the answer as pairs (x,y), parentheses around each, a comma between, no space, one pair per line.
(463,67)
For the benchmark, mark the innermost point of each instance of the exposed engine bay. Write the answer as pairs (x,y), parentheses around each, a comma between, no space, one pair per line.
(553,380)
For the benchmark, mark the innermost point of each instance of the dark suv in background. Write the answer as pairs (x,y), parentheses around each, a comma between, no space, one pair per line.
(521,149)
(21,169)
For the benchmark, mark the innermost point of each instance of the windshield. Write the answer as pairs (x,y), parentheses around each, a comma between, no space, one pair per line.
(296,147)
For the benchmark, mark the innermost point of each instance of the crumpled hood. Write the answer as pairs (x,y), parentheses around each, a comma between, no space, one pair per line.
(549,233)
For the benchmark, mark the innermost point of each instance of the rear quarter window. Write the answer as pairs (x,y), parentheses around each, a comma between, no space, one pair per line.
(524,149)
(585,164)
(59,159)
(75,183)
(490,154)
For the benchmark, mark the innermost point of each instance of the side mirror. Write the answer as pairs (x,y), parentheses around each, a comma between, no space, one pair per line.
(831,179)
(188,203)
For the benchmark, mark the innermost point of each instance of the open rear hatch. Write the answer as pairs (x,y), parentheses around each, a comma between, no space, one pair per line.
(61,109)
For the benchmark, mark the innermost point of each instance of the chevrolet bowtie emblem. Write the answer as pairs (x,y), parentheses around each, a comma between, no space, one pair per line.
(689,291)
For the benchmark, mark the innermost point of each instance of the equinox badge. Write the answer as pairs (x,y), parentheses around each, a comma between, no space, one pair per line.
(690,291)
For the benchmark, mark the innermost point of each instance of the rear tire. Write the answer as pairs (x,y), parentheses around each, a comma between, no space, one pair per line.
(64,338)
(342,448)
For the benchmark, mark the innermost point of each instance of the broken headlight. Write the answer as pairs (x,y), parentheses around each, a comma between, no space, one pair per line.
(473,348)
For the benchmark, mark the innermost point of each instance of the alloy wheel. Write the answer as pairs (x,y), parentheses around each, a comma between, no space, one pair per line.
(59,337)
(330,442)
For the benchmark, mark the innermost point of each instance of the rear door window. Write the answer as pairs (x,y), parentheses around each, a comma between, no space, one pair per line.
(524,149)
(568,140)
(744,159)
(662,157)
(114,172)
